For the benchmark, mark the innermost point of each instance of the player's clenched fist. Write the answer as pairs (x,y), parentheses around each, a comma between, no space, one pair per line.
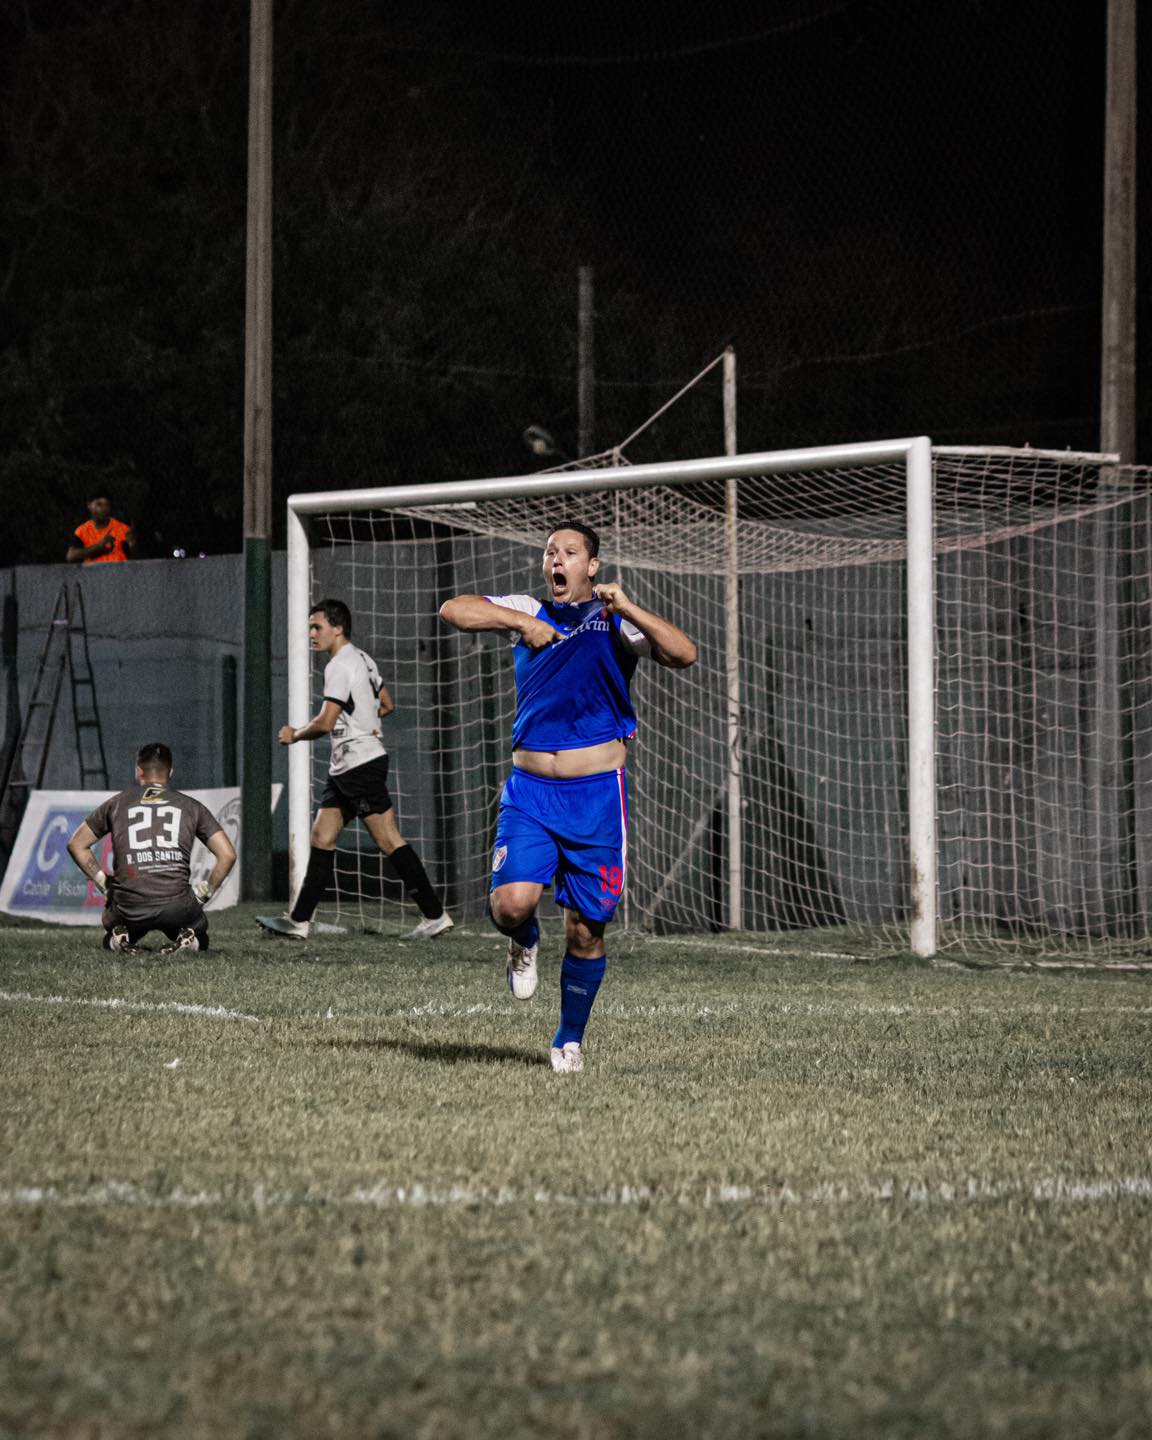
(613,597)
(537,634)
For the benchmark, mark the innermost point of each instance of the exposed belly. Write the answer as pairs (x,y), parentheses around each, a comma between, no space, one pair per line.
(567,764)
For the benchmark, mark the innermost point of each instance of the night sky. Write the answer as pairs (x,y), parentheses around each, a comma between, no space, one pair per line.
(891,209)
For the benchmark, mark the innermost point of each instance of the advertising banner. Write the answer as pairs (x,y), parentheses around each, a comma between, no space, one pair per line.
(42,883)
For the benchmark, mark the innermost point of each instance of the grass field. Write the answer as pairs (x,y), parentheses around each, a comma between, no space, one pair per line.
(334,1190)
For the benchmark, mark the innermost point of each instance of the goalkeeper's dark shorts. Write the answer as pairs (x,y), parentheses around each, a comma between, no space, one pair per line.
(360,791)
(183,913)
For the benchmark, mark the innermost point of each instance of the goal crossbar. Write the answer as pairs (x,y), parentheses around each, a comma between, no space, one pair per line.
(671,472)
(915,454)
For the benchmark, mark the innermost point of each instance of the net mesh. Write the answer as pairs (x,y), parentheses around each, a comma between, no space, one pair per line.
(1044,702)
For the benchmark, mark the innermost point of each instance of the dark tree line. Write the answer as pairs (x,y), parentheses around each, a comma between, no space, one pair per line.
(406,207)
(890,209)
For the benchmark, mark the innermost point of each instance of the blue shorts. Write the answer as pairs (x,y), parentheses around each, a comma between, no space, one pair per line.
(572,831)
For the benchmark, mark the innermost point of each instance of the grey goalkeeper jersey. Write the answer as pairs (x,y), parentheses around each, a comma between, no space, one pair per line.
(153,828)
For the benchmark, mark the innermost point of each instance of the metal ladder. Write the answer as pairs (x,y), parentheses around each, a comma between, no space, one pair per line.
(65,649)
(85,715)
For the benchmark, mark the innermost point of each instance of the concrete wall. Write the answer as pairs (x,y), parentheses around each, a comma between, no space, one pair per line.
(1044,722)
(166,644)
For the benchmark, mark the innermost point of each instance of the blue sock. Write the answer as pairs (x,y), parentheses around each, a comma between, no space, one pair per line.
(526,934)
(579,982)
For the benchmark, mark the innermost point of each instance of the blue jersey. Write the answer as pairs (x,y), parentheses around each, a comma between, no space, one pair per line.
(574,692)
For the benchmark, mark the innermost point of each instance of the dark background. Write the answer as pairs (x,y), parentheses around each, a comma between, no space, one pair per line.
(891,209)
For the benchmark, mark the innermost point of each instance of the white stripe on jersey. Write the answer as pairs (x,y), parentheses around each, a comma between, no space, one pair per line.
(623,827)
(633,637)
(352,679)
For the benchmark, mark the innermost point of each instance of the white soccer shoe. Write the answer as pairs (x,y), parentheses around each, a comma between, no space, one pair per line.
(427,928)
(284,925)
(187,939)
(118,941)
(567,1059)
(522,973)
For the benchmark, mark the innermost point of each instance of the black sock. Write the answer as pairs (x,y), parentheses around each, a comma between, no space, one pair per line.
(526,934)
(407,865)
(316,880)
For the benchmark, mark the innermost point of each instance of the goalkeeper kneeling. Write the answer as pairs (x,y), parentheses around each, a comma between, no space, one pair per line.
(153,828)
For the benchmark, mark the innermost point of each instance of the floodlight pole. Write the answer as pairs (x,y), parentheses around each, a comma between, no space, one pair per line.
(732,657)
(1118,328)
(255,802)
(1118,842)
(585,361)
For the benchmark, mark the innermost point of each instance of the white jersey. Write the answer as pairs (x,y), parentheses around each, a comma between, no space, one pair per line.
(352,680)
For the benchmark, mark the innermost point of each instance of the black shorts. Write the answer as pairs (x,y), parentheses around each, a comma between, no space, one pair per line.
(360,791)
(185,913)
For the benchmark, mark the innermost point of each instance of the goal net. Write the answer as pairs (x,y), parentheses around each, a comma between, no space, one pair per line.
(787,781)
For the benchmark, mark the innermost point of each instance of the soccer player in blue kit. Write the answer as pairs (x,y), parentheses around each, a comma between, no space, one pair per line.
(564,808)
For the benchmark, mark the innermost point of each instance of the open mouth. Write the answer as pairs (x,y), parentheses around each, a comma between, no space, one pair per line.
(559,581)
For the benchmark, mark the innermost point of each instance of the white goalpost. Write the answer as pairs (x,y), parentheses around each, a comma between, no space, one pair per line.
(914,455)
(921,720)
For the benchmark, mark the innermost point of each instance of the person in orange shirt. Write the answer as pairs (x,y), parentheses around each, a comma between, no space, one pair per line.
(102,538)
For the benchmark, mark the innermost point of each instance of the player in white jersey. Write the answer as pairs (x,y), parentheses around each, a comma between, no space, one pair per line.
(564,808)
(354,698)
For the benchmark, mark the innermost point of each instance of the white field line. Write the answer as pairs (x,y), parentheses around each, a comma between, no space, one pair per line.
(1140,966)
(436,1009)
(761,1008)
(433,1009)
(216,1012)
(721,946)
(1005,1012)
(1047,961)
(789,1008)
(1059,1189)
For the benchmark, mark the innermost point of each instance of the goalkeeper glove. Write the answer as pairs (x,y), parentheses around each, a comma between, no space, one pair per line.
(203,891)
(101,882)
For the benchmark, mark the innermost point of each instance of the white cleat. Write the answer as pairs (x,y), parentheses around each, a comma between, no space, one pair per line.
(187,939)
(567,1059)
(284,925)
(118,941)
(522,972)
(427,928)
